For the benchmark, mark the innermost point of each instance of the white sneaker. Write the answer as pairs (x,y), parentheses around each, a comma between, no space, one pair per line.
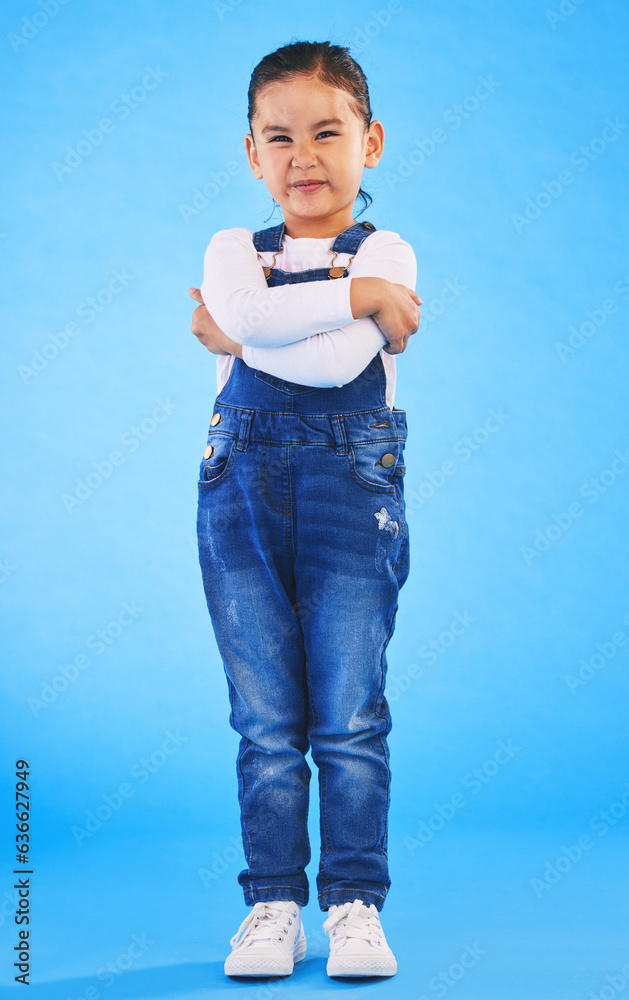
(271,941)
(358,946)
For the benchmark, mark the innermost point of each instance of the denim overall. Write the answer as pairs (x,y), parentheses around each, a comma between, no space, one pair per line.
(303,547)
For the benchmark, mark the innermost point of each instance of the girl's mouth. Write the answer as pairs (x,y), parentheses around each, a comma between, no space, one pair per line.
(309,186)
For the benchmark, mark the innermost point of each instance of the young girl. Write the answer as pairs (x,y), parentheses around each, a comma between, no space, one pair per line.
(303,542)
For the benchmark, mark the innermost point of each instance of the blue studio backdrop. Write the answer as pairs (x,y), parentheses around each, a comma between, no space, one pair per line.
(505,164)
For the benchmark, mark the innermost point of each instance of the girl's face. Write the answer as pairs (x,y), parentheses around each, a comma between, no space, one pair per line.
(305,130)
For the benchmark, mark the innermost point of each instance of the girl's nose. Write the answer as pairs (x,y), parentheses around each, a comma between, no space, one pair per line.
(304,155)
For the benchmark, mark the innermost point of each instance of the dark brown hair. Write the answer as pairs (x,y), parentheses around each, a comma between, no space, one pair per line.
(332,64)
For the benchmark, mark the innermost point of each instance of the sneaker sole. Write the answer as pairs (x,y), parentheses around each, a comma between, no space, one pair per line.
(361,967)
(264,965)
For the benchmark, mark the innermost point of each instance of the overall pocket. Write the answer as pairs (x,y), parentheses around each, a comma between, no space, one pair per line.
(215,468)
(291,388)
(375,464)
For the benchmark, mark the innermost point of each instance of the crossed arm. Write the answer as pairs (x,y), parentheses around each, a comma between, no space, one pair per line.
(317,333)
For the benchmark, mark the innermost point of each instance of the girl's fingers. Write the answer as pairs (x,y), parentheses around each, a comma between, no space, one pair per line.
(196,294)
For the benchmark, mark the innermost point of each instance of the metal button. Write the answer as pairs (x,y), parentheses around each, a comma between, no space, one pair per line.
(209,451)
(388,460)
(215,419)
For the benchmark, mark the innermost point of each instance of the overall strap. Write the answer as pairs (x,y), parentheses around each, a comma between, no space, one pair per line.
(348,241)
(269,239)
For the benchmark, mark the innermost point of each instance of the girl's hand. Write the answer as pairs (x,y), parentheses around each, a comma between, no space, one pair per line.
(398,316)
(207,332)
(395,308)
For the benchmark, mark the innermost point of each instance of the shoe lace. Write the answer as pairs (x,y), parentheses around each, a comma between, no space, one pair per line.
(262,923)
(358,921)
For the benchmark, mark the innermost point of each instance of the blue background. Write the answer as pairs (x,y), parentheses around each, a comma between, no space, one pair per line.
(523,534)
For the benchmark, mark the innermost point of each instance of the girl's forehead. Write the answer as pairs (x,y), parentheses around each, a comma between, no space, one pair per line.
(305,102)
(291,92)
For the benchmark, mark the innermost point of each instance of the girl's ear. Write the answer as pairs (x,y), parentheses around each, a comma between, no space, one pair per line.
(375,143)
(252,156)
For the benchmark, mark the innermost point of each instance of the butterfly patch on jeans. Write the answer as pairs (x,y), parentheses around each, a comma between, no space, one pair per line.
(386,523)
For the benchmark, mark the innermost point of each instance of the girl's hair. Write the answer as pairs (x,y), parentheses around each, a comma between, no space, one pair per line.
(332,64)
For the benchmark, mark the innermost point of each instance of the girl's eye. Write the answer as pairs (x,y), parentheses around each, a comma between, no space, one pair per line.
(287,137)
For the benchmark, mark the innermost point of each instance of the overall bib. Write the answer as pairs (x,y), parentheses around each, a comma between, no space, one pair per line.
(303,546)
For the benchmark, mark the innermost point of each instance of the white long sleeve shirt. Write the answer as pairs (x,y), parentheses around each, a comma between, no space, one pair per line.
(304,332)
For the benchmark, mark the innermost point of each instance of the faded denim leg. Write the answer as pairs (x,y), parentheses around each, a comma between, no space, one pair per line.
(244,535)
(352,559)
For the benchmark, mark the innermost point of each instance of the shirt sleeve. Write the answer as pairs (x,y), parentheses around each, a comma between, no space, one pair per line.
(335,357)
(235,292)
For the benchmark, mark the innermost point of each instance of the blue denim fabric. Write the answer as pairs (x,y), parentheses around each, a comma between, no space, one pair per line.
(303,547)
